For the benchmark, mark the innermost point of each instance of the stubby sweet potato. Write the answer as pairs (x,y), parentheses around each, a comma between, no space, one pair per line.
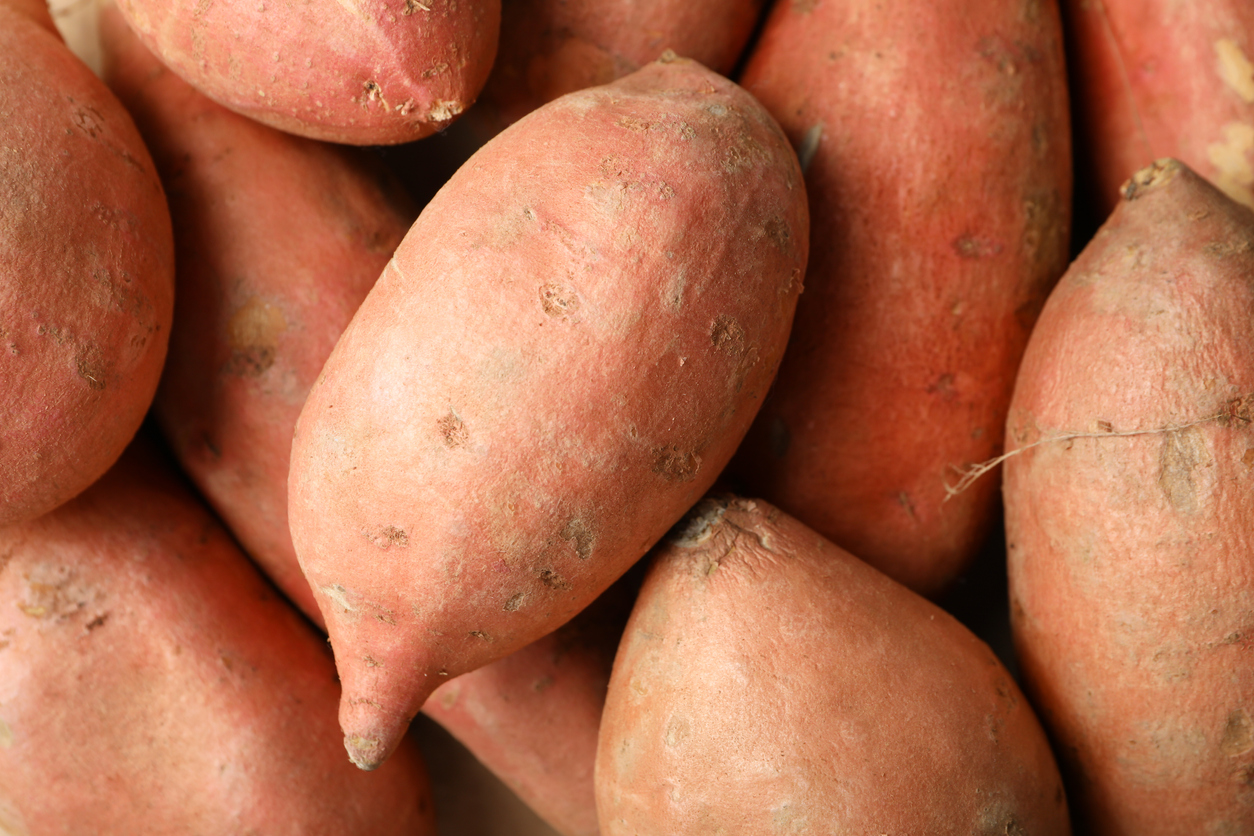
(1128,514)
(940,186)
(770,682)
(372,72)
(279,239)
(1161,78)
(553,47)
(151,682)
(86,272)
(563,354)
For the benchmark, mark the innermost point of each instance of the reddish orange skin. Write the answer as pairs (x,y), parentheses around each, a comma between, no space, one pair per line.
(533,717)
(279,239)
(940,187)
(1159,78)
(373,72)
(1132,558)
(563,354)
(86,273)
(151,682)
(553,47)
(770,682)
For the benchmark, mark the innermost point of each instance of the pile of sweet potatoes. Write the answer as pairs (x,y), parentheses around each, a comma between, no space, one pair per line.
(625,422)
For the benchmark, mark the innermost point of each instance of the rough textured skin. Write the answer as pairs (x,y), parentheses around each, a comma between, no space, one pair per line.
(86,273)
(279,239)
(1163,78)
(363,72)
(562,355)
(553,47)
(769,682)
(940,186)
(151,682)
(533,717)
(1132,557)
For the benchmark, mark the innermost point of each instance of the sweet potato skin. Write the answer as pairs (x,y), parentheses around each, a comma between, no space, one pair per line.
(1131,578)
(86,273)
(770,682)
(375,72)
(564,352)
(1153,79)
(553,47)
(938,150)
(151,682)
(279,239)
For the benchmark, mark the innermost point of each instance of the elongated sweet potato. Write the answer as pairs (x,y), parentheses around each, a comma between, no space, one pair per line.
(151,682)
(553,47)
(279,239)
(1128,514)
(86,272)
(363,73)
(770,682)
(562,355)
(1159,78)
(940,184)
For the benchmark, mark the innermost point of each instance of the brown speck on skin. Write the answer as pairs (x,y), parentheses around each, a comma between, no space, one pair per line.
(577,532)
(90,366)
(779,234)
(1238,734)
(1105,427)
(371,662)
(674,465)
(542,684)
(727,336)
(453,431)
(514,602)
(944,386)
(98,621)
(976,247)
(1248,458)
(412,6)
(903,499)
(1181,453)
(558,301)
(552,579)
(479,634)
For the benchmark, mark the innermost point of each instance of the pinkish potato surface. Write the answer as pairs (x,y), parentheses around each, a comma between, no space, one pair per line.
(86,273)
(561,357)
(768,682)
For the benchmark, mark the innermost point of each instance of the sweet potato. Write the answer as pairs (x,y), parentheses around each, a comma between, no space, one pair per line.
(553,47)
(279,239)
(562,355)
(151,682)
(770,682)
(363,73)
(1160,78)
(86,272)
(1128,514)
(940,186)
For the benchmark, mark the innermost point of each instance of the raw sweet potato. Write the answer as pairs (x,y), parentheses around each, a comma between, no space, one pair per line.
(86,272)
(553,47)
(563,354)
(1128,514)
(1161,78)
(366,73)
(939,176)
(770,682)
(279,239)
(151,682)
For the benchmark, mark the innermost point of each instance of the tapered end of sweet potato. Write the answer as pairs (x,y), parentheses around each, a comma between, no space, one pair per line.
(370,734)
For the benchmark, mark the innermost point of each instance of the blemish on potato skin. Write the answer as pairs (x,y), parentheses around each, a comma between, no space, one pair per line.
(514,602)
(479,634)
(578,534)
(253,335)
(675,465)
(1238,734)
(388,536)
(558,301)
(727,336)
(552,579)
(453,431)
(1182,452)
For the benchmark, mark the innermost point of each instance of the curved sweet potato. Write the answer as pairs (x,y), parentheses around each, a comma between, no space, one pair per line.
(151,682)
(940,186)
(770,682)
(279,239)
(86,273)
(562,355)
(367,72)
(1158,78)
(1129,524)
